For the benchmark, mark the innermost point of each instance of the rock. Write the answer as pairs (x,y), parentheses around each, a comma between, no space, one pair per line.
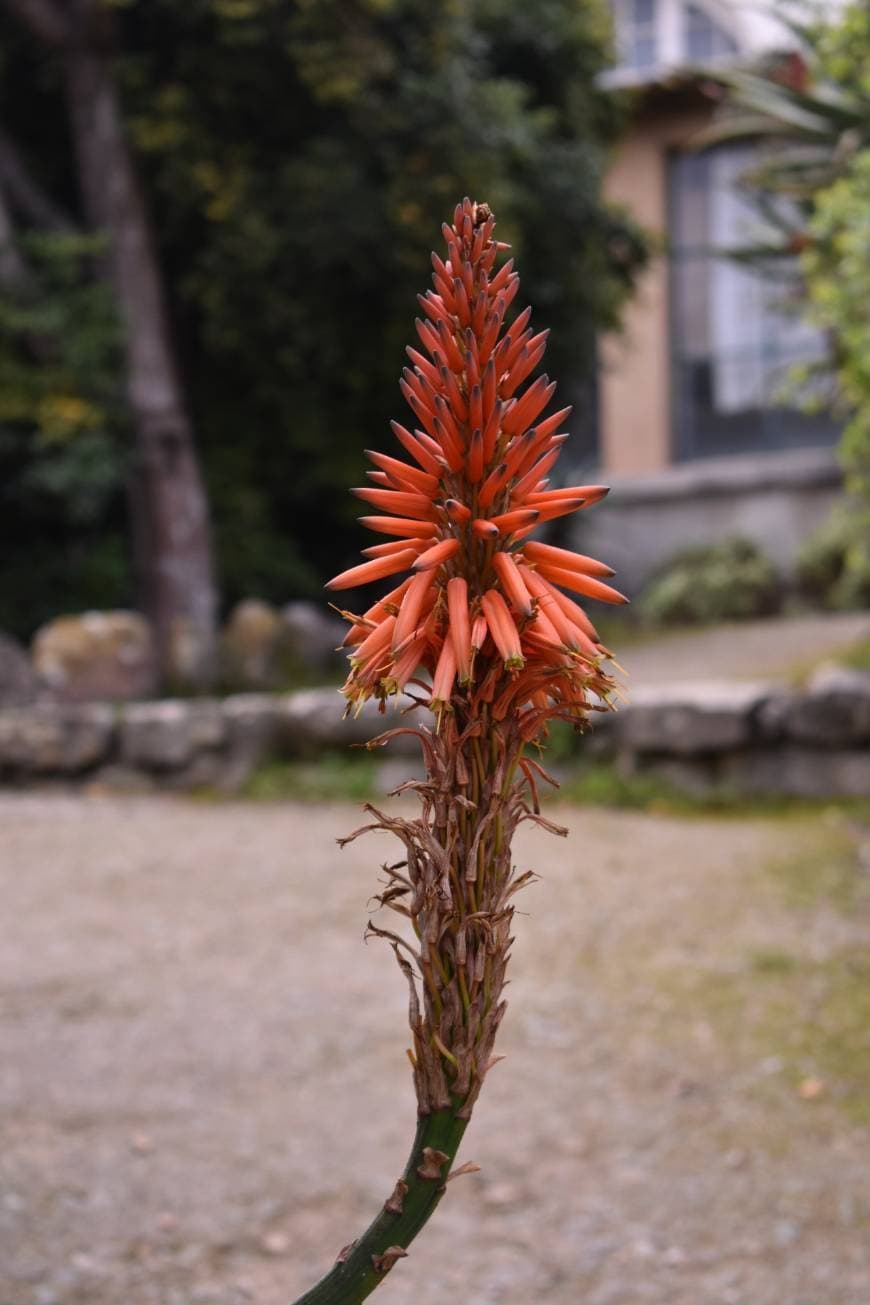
(789,771)
(252,723)
(311,637)
(600,738)
(313,718)
(167,735)
(55,738)
(834,711)
(691,718)
(97,655)
(275,1243)
(264,649)
(772,715)
(832,677)
(393,771)
(18,683)
(117,779)
(204,771)
(695,776)
(191,653)
(251,646)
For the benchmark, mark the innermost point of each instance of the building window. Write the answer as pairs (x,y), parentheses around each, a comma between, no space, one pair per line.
(704,38)
(736,334)
(636,33)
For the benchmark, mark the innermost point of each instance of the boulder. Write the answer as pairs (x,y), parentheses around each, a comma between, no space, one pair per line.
(692,718)
(832,712)
(167,735)
(696,776)
(791,771)
(107,656)
(115,778)
(55,738)
(251,646)
(314,718)
(311,638)
(262,648)
(835,710)
(205,771)
(252,724)
(18,683)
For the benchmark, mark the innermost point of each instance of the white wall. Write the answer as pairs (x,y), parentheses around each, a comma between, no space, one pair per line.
(753,24)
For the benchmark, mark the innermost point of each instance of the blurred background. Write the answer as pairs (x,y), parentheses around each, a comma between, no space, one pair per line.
(214,219)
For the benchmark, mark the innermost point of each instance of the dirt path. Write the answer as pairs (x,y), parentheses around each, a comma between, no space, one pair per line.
(204,1095)
(776,648)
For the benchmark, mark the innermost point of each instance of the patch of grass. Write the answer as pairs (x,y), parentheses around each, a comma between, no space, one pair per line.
(810,1018)
(815,1017)
(604,784)
(330,777)
(830,871)
(350,776)
(773,960)
(857,656)
(836,1037)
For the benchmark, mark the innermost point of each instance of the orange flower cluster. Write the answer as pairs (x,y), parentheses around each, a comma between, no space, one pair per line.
(483,611)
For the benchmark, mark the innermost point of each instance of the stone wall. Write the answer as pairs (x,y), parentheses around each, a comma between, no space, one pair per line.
(112,656)
(751,739)
(775,499)
(177,743)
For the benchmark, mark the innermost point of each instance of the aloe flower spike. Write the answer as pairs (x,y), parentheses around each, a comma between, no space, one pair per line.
(493,650)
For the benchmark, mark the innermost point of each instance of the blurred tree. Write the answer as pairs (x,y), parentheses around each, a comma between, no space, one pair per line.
(303,156)
(299,157)
(836,264)
(61,463)
(167,499)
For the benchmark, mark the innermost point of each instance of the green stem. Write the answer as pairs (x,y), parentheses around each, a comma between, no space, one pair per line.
(357,1274)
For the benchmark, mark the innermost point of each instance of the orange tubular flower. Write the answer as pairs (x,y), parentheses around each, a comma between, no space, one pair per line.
(460,625)
(481,633)
(463,508)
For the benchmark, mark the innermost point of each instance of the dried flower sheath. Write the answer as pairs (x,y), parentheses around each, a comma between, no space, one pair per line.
(481,631)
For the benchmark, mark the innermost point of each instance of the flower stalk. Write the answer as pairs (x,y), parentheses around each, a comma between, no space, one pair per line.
(482,636)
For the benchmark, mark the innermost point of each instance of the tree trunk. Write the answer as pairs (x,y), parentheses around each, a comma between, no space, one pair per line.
(169,509)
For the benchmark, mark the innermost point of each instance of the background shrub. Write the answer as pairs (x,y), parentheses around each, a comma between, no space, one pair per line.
(833,567)
(732,580)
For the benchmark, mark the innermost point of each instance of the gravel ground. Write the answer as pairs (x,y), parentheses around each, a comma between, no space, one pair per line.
(204,1095)
(775,648)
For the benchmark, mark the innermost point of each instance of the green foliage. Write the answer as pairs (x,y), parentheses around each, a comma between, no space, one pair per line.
(825,873)
(809,113)
(301,158)
(857,656)
(606,785)
(842,49)
(815,133)
(331,777)
(837,270)
(298,158)
(833,567)
(731,580)
(61,465)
